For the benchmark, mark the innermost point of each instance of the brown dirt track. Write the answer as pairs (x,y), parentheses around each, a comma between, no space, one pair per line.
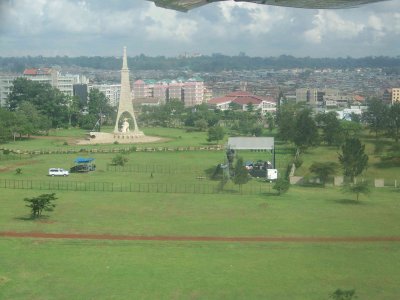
(41,235)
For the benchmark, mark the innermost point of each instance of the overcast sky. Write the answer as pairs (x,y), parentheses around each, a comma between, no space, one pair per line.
(102,28)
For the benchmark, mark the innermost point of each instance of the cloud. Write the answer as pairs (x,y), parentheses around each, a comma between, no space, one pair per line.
(330,24)
(166,25)
(91,27)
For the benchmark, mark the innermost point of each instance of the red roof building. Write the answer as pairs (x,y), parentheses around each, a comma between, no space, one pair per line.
(243,98)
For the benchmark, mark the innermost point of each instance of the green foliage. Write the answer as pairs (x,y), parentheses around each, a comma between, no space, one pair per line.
(215,133)
(377,116)
(281,185)
(119,160)
(393,126)
(324,170)
(201,125)
(241,174)
(361,187)
(305,130)
(353,158)
(41,203)
(270,121)
(285,119)
(332,132)
(298,161)
(18,171)
(343,295)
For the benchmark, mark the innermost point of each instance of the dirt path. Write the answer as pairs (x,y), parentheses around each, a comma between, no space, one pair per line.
(83,236)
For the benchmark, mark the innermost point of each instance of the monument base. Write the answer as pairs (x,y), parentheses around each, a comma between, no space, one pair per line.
(134,137)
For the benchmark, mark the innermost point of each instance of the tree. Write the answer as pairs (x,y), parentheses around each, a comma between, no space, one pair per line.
(41,203)
(270,121)
(305,131)
(285,119)
(353,158)
(376,116)
(323,170)
(332,133)
(358,188)
(241,174)
(281,185)
(393,125)
(215,133)
(119,160)
(201,124)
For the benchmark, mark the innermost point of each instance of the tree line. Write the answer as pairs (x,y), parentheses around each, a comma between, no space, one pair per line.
(35,108)
(211,63)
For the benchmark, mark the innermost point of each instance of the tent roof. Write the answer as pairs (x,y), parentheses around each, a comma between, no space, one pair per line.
(251,143)
(83,160)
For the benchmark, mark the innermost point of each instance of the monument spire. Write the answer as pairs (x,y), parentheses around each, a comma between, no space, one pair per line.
(125,103)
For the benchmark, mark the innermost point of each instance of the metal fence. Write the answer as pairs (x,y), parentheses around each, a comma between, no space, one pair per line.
(191,188)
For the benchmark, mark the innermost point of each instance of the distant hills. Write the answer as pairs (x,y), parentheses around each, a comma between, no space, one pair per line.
(212,63)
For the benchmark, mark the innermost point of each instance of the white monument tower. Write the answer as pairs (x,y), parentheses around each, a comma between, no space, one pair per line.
(126,106)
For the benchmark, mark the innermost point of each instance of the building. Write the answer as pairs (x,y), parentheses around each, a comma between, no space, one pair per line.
(318,97)
(42,75)
(6,84)
(111,91)
(190,92)
(63,82)
(395,95)
(387,96)
(243,99)
(81,91)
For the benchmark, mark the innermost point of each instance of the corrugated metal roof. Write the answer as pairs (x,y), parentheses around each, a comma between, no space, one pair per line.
(251,143)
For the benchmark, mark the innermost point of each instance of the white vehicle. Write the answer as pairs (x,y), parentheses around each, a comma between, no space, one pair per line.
(58,172)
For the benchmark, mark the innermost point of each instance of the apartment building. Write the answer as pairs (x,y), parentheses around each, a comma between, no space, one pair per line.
(6,84)
(63,82)
(111,91)
(395,95)
(190,92)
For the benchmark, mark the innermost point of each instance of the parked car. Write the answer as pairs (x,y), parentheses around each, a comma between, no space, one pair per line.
(58,172)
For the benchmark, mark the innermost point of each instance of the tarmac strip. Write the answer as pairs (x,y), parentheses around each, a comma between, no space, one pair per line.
(83,236)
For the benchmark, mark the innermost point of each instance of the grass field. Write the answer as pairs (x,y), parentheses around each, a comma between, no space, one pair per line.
(89,269)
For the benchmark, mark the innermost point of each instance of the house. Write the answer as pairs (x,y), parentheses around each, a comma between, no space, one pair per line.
(244,99)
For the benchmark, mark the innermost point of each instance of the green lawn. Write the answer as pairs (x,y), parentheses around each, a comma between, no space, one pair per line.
(45,269)
(83,269)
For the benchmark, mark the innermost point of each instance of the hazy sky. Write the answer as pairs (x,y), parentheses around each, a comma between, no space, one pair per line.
(94,27)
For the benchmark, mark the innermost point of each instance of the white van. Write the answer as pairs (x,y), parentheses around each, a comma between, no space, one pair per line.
(58,172)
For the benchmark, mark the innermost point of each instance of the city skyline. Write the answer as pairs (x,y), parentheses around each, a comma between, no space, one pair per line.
(90,28)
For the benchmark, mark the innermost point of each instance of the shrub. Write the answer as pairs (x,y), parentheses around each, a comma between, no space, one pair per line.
(119,160)
(281,186)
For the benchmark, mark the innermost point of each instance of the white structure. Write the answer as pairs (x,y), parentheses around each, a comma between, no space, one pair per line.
(6,84)
(126,105)
(111,91)
(63,82)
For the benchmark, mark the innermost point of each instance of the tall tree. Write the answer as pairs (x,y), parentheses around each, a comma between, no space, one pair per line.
(305,131)
(241,174)
(353,158)
(393,125)
(285,119)
(331,130)
(376,116)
